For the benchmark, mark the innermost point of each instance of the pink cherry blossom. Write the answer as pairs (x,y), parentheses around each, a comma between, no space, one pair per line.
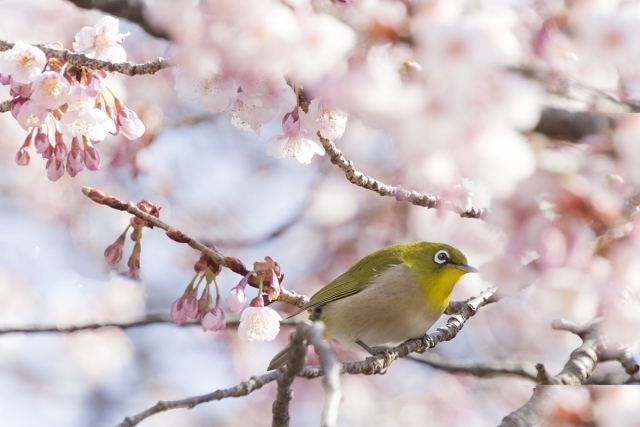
(259,324)
(51,90)
(294,142)
(214,90)
(330,122)
(20,89)
(22,62)
(31,114)
(23,156)
(102,41)
(75,160)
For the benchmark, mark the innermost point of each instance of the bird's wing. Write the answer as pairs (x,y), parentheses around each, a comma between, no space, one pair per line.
(354,280)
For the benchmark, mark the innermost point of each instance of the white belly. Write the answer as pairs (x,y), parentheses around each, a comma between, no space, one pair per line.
(381,314)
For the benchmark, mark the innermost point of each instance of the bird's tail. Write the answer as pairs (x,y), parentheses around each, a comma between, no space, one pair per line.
(280,359)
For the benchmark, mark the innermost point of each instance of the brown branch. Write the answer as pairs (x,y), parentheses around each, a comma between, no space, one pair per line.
(312,333)
(5,106)
(150,319)
(80,60)
(477,369)
(242,389)
(131,10)
(429,201)
(379,364)
(287,374)
(533,412)
(578,370)
(557,84)
(571,125)
(234,264)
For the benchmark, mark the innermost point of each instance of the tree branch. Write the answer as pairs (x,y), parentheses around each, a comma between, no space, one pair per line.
(477,369)
(429,201)
(378,364)
(150,319)
(286,375)
(234,264)
(80,60)
(242,389)
(571,125)
(131,10)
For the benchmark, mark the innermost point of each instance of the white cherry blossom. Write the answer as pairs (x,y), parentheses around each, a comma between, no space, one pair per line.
(51,90)
(259,324)
(294,143)
(102,41)
(94,124)
(22,62)
(214,90)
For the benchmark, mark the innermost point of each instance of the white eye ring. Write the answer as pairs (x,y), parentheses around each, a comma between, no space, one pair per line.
(441,257)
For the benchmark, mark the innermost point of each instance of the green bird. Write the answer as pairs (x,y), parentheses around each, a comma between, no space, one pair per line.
(389,296)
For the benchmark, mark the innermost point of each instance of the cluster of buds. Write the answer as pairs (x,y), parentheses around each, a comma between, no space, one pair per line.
(65,108)
(113,253)
(189,306)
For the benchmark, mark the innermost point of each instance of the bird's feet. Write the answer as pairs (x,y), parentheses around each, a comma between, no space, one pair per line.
(388,354)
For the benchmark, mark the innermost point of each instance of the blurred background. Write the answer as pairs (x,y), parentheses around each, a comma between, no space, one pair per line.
(215,183)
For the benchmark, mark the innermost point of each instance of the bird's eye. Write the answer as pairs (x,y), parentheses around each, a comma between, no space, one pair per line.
(441,257)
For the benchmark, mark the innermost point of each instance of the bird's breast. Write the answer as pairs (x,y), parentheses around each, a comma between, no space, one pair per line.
(391,309)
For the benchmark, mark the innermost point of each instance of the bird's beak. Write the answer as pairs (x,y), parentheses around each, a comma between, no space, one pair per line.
(466,268)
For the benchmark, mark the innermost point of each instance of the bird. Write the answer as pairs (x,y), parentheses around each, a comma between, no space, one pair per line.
(391,295)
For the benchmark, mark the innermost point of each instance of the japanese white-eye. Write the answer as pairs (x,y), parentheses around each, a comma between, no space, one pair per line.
(389,296)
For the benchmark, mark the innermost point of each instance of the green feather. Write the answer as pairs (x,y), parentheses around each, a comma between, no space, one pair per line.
(356,278)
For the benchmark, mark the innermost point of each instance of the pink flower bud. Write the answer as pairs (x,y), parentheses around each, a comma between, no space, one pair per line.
(291,123)
(91,158)
(23,157)
(95,85)
(75,159)
(55,169)
(178,315)
(60,151)
(41,142)
(129,123)
(236,299)
(257,302)
(113,253)
(213,320)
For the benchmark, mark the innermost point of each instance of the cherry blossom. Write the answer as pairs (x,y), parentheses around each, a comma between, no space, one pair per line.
(31,114)
(214,90)
(259,324)
(102,41)
(128,122)
(51,90)
(93,124)
(22,62)
(294,143)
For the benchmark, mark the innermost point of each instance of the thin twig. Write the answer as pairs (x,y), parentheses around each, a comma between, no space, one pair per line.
(477,369)
(150,319)
(80,60)
(429,201)
(5,106)
(234,264)
(242,389)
